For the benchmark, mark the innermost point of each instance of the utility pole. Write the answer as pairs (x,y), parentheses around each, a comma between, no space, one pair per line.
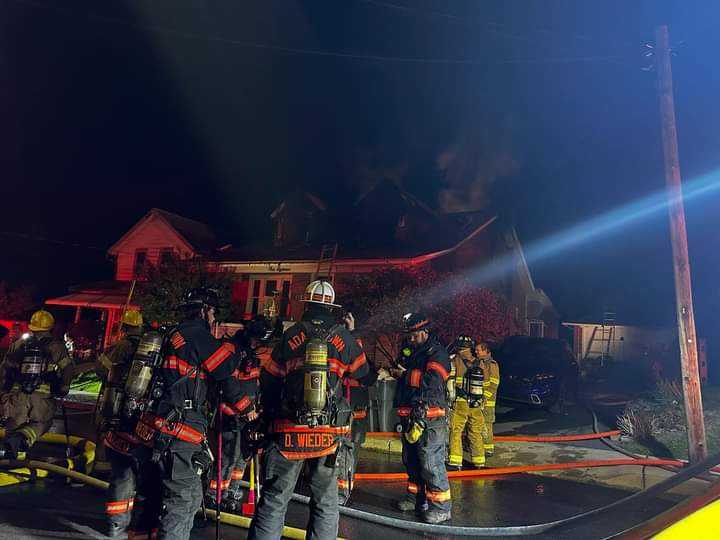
(678,236)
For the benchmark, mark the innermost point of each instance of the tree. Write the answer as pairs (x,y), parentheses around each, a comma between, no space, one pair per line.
(161,291)
(15,304)
(381,298)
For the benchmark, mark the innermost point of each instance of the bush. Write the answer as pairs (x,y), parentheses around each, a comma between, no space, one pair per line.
(639,424)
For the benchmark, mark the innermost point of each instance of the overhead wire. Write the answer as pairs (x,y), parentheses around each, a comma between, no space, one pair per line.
(491,26)
(183,34)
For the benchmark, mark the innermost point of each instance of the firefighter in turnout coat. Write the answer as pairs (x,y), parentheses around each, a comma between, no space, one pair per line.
(170,426)
(303,400)
(126,477)
(421,405)
(468,385)
(234,451)
(491,371)
(37,369)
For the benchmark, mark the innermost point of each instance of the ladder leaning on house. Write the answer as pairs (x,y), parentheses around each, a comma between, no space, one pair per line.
(326,263)
(601,339)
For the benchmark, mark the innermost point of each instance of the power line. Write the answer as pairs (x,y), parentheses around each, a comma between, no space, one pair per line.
(493,27)
(317,52)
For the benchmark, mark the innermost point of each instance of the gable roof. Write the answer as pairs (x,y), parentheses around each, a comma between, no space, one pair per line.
(195,234)
(299,196)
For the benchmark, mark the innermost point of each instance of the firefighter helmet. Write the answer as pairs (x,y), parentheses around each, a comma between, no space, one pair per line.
(259,328)
(320,292)
(132,317)
(201,296)
(41,321)
(414,322)
(464,342)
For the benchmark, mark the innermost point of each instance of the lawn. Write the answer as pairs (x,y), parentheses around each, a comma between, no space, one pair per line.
(670,435)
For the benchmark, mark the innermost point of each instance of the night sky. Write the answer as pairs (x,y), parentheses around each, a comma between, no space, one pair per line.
(216,109)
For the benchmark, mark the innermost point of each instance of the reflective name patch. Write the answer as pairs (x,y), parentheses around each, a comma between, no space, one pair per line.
(309,441)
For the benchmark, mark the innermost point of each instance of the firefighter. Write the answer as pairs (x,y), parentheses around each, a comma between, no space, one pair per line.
(467,381)
(491,372)
(131,329)
(303,400)
(165,395)
(37,368)
(131,481)
(234,451)
(358,395)
(421,403)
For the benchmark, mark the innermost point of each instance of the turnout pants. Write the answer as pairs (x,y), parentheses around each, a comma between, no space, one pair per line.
(233,467)
(473,419)
(349,455)
(488,437)
(425,465)
(133,498)
(280,477)
(29,416)
(181,490)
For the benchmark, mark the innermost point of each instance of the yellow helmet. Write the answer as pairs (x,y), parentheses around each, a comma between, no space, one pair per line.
(41,321)
(132,317)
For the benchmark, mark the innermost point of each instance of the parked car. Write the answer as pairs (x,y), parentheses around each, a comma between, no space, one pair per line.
(540,372)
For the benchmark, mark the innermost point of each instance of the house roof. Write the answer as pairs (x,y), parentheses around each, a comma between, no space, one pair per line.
(197,235)
(314,200)
(381,251)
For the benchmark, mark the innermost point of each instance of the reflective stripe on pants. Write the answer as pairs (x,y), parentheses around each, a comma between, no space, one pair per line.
(464,417)
(425,465)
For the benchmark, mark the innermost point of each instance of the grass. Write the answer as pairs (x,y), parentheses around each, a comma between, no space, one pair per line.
(670,439)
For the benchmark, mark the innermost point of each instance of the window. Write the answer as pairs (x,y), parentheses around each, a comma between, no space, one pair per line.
(264,291)
(140,262)
(536,328)
(166,256)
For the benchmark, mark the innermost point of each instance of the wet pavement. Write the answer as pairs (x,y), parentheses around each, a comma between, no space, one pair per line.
(53,509)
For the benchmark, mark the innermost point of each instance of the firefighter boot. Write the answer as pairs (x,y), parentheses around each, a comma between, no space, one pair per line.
(408,505)
(13,444)
(436,516)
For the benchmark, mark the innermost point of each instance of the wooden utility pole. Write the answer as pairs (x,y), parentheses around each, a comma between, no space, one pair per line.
(681,264)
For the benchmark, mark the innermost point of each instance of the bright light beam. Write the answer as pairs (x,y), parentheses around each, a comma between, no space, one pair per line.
(586,231)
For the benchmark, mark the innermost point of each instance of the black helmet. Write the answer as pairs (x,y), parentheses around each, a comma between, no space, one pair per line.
(259,328)
(464,342)
(416,321)
(201,296)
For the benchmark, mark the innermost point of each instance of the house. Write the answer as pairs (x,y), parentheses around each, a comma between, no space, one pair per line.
(385,228)
(607,340)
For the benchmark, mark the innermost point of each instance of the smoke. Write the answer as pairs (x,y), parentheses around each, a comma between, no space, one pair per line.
(368,166)
(471,166)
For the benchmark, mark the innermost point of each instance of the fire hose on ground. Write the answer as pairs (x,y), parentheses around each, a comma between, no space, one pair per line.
(40,469)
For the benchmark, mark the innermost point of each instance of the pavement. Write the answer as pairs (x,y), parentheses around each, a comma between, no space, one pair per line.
(52,509)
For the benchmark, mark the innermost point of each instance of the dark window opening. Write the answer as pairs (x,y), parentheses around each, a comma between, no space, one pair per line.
(140,261)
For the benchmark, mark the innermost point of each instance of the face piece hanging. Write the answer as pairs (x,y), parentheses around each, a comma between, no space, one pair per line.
(473,386)
(315,383)
(33,365)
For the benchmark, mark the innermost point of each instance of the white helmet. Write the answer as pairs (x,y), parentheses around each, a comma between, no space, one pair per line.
(320,292)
